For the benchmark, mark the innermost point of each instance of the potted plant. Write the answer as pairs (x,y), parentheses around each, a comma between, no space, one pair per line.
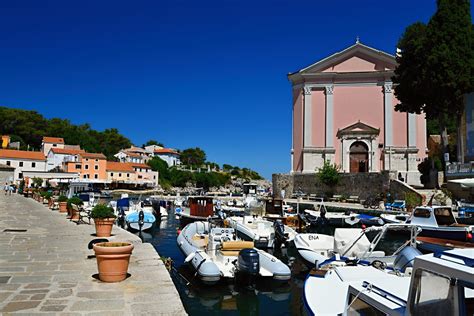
(104,219)
(48,196)
(72,212)
(112,260)
(62,200)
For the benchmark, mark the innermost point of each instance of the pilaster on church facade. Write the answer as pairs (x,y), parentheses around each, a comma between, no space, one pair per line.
(344,112)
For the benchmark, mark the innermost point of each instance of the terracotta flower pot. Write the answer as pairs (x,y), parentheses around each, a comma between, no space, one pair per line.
(62,207)
(103,226)
(112,260)
(74,214)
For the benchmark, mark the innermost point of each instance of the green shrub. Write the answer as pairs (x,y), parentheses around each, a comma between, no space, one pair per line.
(74,200)
(62,198)
(48,195)
(329,174)
(102,211)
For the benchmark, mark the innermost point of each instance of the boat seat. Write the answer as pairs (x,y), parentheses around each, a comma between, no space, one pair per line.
(233,247)
(200,240)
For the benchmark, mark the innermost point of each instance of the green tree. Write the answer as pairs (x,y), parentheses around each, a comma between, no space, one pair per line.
(158,164)
(435,68)
(193,157)
(152,142)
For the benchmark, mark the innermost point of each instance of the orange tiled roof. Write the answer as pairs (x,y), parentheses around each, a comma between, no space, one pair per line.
(132,154)
(54,140)
(119,166)
(21,154)
(139,165)
(92,155)
(165,151)
(65,151)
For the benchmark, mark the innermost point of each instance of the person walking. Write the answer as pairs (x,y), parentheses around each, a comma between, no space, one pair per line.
(6,188)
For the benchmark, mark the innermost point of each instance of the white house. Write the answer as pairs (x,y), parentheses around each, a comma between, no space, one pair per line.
(57,156)
(169,155)
(133,154)
(23,161)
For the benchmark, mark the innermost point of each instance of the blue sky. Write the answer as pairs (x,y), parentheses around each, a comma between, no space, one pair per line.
(210,74)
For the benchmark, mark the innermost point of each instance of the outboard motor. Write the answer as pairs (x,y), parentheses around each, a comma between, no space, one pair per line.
(405,258)
(248,265)
(141,219)
(280,236)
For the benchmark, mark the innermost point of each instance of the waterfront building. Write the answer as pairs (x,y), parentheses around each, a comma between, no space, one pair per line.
(131,174)
(133,154)
(344,112)
(90,166)
(22,161)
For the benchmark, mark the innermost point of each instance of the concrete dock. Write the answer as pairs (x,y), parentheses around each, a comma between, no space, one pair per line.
(45,269)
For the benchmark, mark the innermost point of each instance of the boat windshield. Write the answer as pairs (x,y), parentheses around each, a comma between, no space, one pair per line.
(444,216)
(359,307)
(433,295)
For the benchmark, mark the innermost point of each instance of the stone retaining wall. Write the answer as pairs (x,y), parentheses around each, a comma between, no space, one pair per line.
(356,184)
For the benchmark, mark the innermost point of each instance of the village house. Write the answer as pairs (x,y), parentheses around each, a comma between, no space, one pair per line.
(56,157)
(90,166)
(131,174)
(169,155)
(133,154)
(51,142)
(344,112)
(23,161)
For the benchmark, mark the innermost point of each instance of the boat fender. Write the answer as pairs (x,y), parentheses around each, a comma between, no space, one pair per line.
(189,257)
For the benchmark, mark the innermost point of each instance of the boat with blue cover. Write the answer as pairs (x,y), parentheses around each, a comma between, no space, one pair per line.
(140,220)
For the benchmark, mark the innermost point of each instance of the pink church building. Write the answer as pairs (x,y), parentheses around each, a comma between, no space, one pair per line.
(344,112)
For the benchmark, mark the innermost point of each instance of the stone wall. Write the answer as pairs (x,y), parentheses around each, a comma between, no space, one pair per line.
(399,189)
(359,184)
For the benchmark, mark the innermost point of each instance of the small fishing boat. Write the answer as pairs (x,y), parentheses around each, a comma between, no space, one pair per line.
(395,218)
(341,219)
(215,254)
(140,220)
(264,233)
(201,208)
(439,222)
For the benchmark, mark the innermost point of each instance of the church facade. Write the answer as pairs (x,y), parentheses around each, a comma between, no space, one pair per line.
(344,112)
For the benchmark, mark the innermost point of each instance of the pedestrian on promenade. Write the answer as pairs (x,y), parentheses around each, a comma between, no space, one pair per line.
(10,189)
(6,188)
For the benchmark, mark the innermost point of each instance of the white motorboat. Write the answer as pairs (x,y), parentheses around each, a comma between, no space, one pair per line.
(215,253)
(140,220)
(326,287)
(316,249)
(440,284)
(262,232)
(439,222)
(342,218)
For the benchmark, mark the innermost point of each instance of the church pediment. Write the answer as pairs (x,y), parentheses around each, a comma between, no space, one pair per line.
(356,58)
(358,129)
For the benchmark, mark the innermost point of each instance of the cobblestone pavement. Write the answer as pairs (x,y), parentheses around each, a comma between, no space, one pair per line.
(45,270)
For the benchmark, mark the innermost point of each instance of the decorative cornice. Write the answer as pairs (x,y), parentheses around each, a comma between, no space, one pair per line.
(319,150)
(307,90)
(401,150)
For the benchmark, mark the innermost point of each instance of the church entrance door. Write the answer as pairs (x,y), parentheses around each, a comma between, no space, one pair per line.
(359,157)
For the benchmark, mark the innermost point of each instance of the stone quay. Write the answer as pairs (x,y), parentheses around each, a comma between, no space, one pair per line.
(46,269)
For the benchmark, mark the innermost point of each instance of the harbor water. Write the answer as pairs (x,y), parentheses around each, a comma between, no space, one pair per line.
(265,298)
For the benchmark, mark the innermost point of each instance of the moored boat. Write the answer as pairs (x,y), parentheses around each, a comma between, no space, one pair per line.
(140,220)
(216,254)
(439,222)
(265,234)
